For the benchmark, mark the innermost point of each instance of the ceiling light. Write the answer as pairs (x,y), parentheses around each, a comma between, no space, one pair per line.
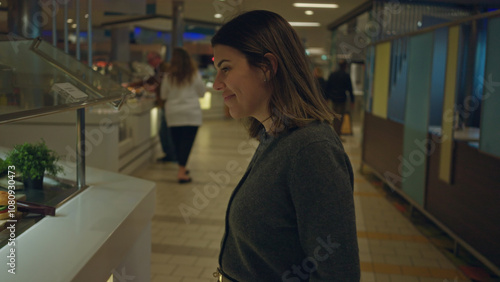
(86,16)
(304,23)
(69,21)
(73,25)
(315,5)
(218,16)
(316,50)
(309,12)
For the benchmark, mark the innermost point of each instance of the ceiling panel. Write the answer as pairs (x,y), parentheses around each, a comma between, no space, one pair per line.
(313,37)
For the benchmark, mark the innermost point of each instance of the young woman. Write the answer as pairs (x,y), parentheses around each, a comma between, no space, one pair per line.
(181,88)
(291,217)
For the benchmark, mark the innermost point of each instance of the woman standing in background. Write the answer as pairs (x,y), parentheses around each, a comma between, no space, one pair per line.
(181,88)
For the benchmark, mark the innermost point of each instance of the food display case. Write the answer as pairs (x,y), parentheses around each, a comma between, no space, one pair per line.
(37,79)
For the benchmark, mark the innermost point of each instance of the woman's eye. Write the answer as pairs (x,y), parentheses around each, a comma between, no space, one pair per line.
(226,69)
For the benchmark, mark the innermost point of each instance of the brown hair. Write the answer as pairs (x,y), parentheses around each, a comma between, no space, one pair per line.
(295,100)
(182,68)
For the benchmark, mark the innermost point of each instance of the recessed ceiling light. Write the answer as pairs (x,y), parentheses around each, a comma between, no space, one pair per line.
(73,25)
(315,5)
(86,16)
(69,21)
(218,16)
(316,50)
(309,12)
(304,24)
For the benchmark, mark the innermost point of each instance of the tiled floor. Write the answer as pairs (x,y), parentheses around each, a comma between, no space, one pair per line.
(189,219)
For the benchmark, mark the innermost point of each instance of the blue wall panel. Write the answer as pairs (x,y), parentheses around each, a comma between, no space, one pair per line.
(438,76)
(417,116)
(479,67)
(369,69)
(490,135)
(399,75)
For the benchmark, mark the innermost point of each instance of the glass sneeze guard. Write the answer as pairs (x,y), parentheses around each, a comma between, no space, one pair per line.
(39,79)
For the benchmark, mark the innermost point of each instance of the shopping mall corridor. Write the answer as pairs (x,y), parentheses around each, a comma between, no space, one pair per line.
(189,219)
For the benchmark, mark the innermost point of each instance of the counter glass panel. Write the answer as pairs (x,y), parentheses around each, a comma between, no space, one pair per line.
(38,79)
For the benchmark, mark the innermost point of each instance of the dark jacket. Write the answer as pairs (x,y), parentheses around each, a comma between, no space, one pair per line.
(292,209)
(338,83)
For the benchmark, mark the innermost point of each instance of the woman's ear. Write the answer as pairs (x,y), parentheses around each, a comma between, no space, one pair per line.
(273,63)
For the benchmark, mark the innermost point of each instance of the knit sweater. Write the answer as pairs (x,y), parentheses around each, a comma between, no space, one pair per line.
(291,217)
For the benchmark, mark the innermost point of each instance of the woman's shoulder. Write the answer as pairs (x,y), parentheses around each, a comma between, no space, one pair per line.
(311,133)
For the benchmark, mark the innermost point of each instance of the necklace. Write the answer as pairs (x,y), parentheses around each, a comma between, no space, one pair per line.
(266,119)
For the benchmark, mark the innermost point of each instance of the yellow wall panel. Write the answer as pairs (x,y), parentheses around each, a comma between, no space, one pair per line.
(381,79)
(446,158)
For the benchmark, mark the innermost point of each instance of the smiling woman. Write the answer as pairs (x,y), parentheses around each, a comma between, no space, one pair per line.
(244,86)
(291,217)
(275,53)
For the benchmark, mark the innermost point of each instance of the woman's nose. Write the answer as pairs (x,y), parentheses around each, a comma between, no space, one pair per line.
(218,85)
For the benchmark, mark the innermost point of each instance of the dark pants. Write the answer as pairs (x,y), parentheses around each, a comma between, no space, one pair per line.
(167,145)
(183,137)
(340,109)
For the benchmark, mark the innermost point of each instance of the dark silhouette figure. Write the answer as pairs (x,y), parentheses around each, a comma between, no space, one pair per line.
(337,86)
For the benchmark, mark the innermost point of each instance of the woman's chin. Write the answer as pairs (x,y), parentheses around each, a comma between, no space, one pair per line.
(235,114)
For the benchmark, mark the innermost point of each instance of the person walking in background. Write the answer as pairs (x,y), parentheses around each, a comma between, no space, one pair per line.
(339,82)
(181,88)
(153,84)
(318,74)
(291,216)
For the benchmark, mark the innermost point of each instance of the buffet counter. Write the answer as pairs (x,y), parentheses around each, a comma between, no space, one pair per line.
(116,140)
(103,230)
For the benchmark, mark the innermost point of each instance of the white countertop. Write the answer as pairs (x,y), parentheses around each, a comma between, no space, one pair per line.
(89,234)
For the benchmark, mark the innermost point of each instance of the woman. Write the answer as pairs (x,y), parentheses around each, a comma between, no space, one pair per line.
(291,217)
(181,88)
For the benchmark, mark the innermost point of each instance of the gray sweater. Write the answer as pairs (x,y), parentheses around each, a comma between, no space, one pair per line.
(291,217)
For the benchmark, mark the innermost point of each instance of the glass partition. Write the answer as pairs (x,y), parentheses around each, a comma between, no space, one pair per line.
(38,79)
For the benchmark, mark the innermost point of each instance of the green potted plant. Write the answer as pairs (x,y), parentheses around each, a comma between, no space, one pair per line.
(3,167)
(32,161)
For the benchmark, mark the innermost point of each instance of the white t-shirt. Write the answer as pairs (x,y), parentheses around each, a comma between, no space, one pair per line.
(182,107)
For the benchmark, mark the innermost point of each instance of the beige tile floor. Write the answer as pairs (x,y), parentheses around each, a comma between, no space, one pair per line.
(189,218)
